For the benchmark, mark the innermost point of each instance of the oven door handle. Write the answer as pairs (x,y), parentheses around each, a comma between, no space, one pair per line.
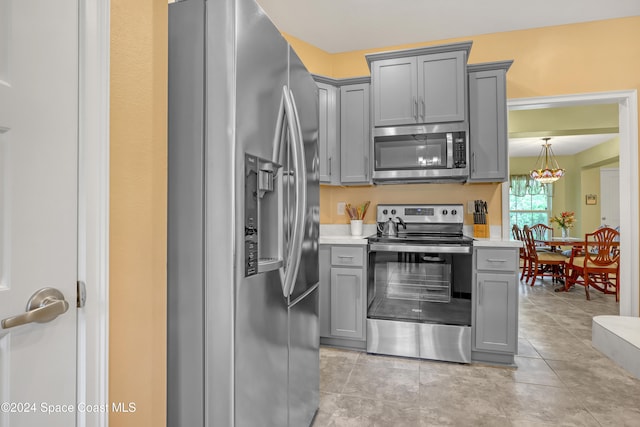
(447,249)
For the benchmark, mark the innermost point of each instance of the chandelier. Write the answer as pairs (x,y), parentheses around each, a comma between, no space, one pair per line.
(543,173)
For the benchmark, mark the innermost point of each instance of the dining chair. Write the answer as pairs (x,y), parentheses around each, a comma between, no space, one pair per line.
(542,232)
(597,264)
(542,263)
(524,257)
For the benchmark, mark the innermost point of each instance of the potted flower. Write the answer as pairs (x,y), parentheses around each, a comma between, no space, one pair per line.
(565,221)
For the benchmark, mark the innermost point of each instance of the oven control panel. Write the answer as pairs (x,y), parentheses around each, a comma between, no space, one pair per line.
(435,214)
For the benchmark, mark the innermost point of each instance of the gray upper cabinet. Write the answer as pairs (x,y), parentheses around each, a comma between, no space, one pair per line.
(354,134)
(425,85)
(395,91)
(344,130)
(442,87)
(328,133)
(488,148)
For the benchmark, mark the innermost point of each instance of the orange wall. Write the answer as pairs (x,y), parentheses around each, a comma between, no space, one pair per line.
(138,206)
(567,59)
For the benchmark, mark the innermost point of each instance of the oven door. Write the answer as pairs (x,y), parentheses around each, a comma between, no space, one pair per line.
(420,283)
(419,301)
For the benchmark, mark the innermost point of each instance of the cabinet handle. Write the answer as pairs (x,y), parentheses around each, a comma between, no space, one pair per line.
(345,256)
(424,112)
(480,293)
(473,162)
(329,166)
(496,260)
(415,108)
(366,167)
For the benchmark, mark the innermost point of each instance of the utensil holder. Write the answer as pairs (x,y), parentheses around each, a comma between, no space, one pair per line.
(356,227)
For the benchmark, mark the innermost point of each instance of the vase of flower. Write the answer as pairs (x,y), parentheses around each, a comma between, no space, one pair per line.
(565,221)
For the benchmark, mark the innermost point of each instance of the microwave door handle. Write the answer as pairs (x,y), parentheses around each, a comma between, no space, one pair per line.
(297,239)
(449,151)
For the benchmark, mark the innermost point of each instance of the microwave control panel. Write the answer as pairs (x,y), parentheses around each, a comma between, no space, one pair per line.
(459,151)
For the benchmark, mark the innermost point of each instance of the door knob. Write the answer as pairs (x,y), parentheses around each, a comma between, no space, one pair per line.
(43,306)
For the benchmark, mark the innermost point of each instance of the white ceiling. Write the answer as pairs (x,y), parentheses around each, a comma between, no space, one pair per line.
(346,25)
(561,145)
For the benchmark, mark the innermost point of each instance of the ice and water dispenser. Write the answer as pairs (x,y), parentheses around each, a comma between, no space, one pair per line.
(262,216)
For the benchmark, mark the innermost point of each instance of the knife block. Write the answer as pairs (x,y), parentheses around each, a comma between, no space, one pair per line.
(482,230)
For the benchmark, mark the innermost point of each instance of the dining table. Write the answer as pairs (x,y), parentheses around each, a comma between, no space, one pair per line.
(556,242)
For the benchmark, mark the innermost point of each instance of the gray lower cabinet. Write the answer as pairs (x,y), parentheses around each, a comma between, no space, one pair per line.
(347,320)
(344,130)
(488,148)
(495,305)
(343,295)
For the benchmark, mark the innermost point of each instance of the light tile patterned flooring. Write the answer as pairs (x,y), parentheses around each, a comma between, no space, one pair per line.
(561,380)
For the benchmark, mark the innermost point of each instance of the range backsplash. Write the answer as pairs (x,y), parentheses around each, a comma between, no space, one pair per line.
(330,196)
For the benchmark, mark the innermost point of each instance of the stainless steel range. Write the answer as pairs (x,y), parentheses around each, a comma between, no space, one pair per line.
(419,284)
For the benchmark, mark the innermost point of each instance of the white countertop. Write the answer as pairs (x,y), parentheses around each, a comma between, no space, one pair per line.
(479,242)
(340,234)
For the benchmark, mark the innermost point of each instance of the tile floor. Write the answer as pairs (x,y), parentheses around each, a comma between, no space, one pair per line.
(561,380)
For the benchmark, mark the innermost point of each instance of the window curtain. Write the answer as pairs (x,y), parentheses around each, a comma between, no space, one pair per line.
(522,185)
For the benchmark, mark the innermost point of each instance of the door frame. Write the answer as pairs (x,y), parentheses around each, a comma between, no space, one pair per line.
(93,209)
(627,101)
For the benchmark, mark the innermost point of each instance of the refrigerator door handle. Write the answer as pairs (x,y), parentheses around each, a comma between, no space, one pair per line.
(301,195)
(289,270)
(276,157)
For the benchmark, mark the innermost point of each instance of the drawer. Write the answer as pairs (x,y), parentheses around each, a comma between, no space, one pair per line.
(347,255)
(497,259)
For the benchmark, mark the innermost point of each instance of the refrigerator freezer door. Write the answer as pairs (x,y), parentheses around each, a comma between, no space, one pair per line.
(304,360)
(261,353)
(260,310)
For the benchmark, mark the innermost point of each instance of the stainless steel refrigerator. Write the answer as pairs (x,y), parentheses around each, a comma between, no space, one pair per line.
(243,335)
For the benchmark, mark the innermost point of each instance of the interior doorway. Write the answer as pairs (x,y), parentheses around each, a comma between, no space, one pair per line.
(628,189)
(610,197)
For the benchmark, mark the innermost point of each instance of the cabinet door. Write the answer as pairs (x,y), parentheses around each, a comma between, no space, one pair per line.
(496,312)
(488,126)
(328,133)
(394,91)
(324,255)
(442,87)
(354,134)
(347,293)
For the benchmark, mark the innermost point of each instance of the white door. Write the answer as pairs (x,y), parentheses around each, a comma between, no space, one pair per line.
(610,197)
(38,209)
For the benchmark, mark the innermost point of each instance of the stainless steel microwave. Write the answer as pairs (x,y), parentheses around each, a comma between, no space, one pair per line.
(425,153)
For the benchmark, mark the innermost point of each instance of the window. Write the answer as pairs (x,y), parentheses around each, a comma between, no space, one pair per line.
(529,202)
